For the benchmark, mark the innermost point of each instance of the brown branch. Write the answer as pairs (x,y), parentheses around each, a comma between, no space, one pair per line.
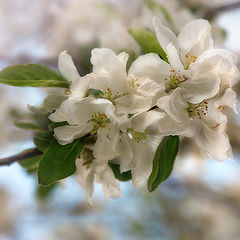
(19,157)
(211,13)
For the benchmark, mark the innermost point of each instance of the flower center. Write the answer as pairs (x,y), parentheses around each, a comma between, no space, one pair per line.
(198,110)
(109,95)
(133,82)
(100,120)
(137,136)
(174,80)
(189,59)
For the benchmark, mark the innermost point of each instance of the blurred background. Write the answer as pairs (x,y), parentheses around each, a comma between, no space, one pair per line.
(201,199)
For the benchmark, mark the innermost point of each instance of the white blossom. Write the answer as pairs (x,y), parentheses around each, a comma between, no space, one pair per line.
(199,82)
(127,113)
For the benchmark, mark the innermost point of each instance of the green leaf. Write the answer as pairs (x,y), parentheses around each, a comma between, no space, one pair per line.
(32,75)
(58,161)
(43,140)
(148,42)
(44,191)
(163,161)
(95,92)
(125,176)
(25,125)
(31,163)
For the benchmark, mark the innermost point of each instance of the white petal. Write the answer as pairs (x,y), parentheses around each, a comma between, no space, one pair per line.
(146,119)
(106,62)
(66,134)
(123,57)
(50,103)
(67,67)
(174,59)
(125,154)
(132,104)
(111,186)
(214,118)
(143,154)
(219,61)
(229,99)
(150,66)
(57,116)
(203,85)
(174,105)
(85,176)
(79,88)
(167,126)
(164,34)
(105,147)
(80,111)
(215,144)
(149,88)
(195,38)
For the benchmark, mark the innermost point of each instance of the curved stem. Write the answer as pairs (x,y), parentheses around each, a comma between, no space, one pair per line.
(21,156)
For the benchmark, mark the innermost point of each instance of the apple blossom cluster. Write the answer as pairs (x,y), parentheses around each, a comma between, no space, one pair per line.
(125,113)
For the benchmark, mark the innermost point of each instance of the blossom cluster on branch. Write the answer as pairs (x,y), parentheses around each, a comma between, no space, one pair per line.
(125,113)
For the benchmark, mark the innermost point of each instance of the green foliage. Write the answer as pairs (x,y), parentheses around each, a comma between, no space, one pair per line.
(58,161)
(148,42)
(31,163)
(32,75)
(95,92)
(224,34)
(125,176)
(43,140)
(25,125)
(44,191)
(163,161)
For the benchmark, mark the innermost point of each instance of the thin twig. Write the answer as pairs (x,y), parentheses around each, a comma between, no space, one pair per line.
(21,156)
(211,13)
